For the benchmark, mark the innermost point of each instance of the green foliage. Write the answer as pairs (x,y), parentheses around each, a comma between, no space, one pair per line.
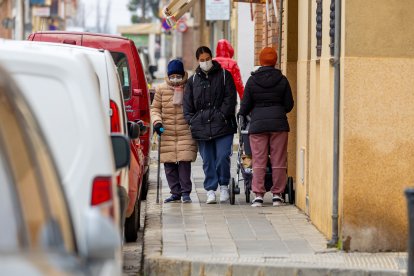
(135,19)
(150,6)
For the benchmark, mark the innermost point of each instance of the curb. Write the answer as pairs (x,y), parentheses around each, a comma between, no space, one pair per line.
(152,242)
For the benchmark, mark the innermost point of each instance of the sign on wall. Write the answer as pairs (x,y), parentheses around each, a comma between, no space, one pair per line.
(217,10)
(41,11)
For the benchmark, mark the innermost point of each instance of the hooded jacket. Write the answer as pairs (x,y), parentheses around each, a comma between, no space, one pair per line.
(176,144)
(268,98)
(210,103)
(224,56)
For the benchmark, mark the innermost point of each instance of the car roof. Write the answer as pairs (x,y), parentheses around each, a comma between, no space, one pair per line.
(83,33)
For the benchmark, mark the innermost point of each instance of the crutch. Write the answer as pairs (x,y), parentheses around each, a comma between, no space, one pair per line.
(159,165)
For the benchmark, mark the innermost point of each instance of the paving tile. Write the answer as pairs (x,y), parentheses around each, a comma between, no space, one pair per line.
(298,246)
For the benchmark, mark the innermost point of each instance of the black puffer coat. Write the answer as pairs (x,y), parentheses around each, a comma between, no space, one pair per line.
(209,103)
(268,97)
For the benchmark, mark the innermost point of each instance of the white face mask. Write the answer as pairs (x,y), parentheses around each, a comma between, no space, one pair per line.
(176,80)
(206,65)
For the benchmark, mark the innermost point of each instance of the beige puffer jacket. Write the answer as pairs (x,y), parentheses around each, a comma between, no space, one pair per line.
(176,143)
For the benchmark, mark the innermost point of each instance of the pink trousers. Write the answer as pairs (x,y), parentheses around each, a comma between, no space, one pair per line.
(260,144)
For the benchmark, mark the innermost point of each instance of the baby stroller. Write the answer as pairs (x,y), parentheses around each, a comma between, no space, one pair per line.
(245,171)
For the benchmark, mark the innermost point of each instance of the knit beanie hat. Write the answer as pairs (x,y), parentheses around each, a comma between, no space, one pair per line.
(175,67)
(268,57)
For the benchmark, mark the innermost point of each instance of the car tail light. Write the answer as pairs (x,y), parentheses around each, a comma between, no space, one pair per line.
(115,117)
(102,196)
(101,190)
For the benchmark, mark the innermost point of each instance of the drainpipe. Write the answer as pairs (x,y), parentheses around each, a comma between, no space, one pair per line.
(337,85)
(19,20)
(279,60)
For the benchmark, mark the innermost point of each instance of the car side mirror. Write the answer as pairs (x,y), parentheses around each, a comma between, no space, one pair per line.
(152,69)
(133,130)
(120,147)
(142,127)
(102,236)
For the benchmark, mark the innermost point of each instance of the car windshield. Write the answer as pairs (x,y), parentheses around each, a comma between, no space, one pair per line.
(122,66)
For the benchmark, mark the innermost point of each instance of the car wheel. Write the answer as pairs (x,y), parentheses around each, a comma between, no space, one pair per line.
(132,223)
(145,185)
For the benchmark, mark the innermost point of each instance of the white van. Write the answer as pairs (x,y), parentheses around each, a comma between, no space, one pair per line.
(112,101)
(37,235)
(62,89)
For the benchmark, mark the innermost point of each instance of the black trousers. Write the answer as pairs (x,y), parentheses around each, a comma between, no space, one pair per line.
(179,177)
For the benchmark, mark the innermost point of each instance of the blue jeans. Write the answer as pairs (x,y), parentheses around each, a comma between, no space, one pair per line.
(216,155)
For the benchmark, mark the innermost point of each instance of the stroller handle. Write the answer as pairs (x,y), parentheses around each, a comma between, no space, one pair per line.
(242,125)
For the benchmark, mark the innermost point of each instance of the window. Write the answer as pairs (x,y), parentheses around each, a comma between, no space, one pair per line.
(122,66)
(318,28)
(34,175)
(12,233)
(23,173)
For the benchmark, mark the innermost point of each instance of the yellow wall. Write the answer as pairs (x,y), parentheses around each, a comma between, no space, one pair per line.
(376,122)
(377,128)
(289,68)
(315,120)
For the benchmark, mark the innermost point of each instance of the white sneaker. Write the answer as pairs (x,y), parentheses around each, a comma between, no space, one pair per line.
(211,197)
(257,202)
(224,193)
(278,200)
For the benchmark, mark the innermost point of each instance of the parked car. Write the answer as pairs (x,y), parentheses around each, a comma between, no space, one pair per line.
(38,234)
(116,119)
(63,91)
(148,69)
(132,75)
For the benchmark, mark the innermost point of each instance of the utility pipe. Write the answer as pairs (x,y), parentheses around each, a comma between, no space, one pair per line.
(337,86)
(279,59)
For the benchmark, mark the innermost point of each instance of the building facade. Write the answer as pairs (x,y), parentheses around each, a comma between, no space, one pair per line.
(6,19)
(18,18)
(376,102)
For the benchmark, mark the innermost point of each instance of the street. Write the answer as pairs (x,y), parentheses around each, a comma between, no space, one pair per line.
(133,251)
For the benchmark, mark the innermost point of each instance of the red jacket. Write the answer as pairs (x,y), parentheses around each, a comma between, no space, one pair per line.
(224,54)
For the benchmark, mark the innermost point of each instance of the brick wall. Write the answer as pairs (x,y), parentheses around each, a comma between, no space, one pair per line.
(266,27)
(5,12)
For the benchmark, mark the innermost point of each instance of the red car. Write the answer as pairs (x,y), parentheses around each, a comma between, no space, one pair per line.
(137,106)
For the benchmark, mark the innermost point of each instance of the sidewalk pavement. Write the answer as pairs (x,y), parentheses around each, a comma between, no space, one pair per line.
(224,239)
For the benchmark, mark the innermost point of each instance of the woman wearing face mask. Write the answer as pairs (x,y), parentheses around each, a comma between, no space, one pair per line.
(178,149)
(210,100)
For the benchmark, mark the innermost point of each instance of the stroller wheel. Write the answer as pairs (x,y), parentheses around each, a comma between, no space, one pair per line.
(289,190)
(232,187)
(247,188)
(247,196)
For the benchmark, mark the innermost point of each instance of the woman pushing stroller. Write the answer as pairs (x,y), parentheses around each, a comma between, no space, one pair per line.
(268,98)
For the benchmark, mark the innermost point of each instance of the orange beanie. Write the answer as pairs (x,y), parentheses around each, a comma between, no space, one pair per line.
(268,57)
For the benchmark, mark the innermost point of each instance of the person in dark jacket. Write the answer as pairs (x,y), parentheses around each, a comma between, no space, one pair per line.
(209,108)
(268,98)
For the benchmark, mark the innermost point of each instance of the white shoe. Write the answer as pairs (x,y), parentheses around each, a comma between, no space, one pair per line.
(211,197)
(224,193)
(278,200)
(257,202)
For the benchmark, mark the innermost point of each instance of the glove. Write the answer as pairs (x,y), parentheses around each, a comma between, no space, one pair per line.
(158,128)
